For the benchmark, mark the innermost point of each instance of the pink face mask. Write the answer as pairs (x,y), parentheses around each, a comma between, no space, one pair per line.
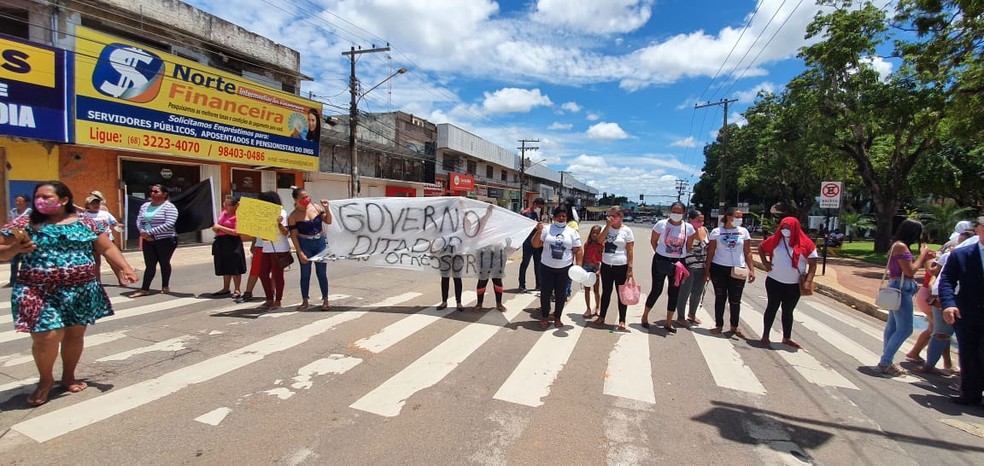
(47,206)
(697,224)
(304,202)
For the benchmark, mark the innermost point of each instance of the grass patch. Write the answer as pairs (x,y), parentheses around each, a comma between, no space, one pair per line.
(865,250)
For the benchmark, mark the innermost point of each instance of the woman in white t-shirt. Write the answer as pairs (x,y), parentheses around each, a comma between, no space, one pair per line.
(561,249)
(786,255)
(671,239)
(93,210)
(271,273)
(616,262)
(729,256)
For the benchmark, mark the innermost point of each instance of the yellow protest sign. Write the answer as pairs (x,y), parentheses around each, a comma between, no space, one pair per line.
(257,218)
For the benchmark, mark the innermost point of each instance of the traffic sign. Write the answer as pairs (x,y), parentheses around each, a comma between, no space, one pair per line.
(830,194)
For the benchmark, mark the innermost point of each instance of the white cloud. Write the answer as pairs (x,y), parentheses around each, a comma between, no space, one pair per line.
(572,107)
(688,141)
(510,99)
(592,117)
(606,132)
(599,17)
(558,125)
(879,64)
(748,96)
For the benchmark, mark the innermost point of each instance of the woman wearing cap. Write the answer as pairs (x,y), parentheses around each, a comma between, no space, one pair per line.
(561,249)
(227,249)
(94,211)
(156,221)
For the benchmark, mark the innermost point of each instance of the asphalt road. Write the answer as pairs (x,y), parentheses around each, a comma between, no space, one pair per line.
(385,378)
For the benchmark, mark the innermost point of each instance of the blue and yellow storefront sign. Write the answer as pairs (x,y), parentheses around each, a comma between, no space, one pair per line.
(132,97)
(34,99)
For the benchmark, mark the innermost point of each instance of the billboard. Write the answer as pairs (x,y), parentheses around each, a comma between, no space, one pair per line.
(132,97)
(34,96)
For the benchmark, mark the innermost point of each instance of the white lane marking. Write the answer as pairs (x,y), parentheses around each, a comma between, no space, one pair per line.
(280,392)
(62,421)
(846,345)
(7,317)
(630,368)
(388,399)
(90,341)
(171,345)
(122,314)
(333,364)
(804,363)
(214,417)
(866,327)
(407,326)
(724,362)
(12,389)
(530,382)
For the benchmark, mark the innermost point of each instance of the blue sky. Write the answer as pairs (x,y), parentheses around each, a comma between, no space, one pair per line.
(608,86)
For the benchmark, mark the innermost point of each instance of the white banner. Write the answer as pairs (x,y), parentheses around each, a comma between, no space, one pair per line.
(452,236)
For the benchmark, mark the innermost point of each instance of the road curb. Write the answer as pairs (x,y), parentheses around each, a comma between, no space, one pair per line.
(845,298)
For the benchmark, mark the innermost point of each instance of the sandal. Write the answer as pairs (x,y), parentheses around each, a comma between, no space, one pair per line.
(34,400)
(500,308)
(302,307)
(442,306)
(892,371)
(738,333)
(693,320)
(544,324)
(217,293)
(587,314)
(716,331)
(669,329)
(558,323)
(683,323)
(916,359)
(325,305)
(140,294)
(621,326)
(599,321)
(236,295)
(792,344)
(644,324)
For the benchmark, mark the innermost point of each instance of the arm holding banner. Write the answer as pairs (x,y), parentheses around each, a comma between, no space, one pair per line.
(537,240)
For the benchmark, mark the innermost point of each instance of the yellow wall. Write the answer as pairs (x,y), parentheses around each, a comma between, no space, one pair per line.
(31,160)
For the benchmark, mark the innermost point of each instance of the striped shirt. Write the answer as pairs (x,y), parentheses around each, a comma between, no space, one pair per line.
(161,223)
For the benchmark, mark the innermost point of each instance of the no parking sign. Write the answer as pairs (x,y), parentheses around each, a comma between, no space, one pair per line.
(830,194)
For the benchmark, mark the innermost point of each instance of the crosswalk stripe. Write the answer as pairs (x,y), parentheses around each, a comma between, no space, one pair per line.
(724,362)
(801,361)
(90,341)
(530,382)
(630,367)
(62,421)
(171,345)
(7,317)
(867,328)
(407,326)
(388,399)
(12,389)
(12,335)
(846,345)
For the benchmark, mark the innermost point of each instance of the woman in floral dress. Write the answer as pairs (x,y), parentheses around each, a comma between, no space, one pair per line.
(57,294)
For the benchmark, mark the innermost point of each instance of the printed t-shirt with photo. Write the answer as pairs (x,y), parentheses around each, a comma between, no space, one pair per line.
(558,246)
(615,250)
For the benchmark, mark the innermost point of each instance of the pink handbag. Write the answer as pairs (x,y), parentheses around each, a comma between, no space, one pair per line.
(629,292)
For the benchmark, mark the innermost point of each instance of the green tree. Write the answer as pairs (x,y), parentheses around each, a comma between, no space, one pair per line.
(855,222)
(880,124)
(940,219)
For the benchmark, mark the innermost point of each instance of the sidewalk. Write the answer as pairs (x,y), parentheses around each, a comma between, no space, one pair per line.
(850,281)
(192,254)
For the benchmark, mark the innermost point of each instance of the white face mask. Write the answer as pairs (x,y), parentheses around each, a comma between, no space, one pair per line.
(676,217)
(736,222)
(785,232)
(560,224)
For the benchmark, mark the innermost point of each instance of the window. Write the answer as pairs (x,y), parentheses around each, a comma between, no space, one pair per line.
(504,176)
(13,22)
(489,172)
(285,180)
(472,167)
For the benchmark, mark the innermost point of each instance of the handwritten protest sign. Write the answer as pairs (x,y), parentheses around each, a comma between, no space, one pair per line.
(257,218)
(452,236)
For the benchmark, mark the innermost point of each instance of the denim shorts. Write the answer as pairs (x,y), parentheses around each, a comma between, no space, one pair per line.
(940,325)
(591,268)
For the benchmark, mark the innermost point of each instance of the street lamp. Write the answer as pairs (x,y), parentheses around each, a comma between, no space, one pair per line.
(355,186)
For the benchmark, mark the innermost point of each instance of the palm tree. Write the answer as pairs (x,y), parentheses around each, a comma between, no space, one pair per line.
(940,219)
(856,221)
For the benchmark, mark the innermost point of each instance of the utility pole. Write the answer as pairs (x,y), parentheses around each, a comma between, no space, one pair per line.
(355,185)
(522,168)
(724,153)
(681,187)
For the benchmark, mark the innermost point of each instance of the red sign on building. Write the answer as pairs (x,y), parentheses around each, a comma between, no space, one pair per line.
(461,182)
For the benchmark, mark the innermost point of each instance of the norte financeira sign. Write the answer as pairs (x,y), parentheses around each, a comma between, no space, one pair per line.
(132,97)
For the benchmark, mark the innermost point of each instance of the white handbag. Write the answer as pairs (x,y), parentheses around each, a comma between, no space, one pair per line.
(888,298)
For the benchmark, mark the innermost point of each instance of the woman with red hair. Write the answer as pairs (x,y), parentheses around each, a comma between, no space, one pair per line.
(783,255)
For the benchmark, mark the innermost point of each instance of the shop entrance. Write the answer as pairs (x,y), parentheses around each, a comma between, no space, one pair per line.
(139,176)
(246,182)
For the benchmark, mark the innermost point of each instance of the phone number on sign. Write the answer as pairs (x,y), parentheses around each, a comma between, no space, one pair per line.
(240,153)
(159,142)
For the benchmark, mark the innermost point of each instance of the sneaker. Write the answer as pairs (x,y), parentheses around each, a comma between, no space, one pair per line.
(244,298)
(892,371)
(523,289)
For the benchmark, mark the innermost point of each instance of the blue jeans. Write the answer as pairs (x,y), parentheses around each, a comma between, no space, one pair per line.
(899,324)
(310,247)
(942,332)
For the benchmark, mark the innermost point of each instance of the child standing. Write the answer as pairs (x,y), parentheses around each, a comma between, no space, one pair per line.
(592,264)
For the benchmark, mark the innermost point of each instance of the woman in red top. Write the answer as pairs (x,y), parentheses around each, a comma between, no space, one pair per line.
(227,249)
(592,264)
